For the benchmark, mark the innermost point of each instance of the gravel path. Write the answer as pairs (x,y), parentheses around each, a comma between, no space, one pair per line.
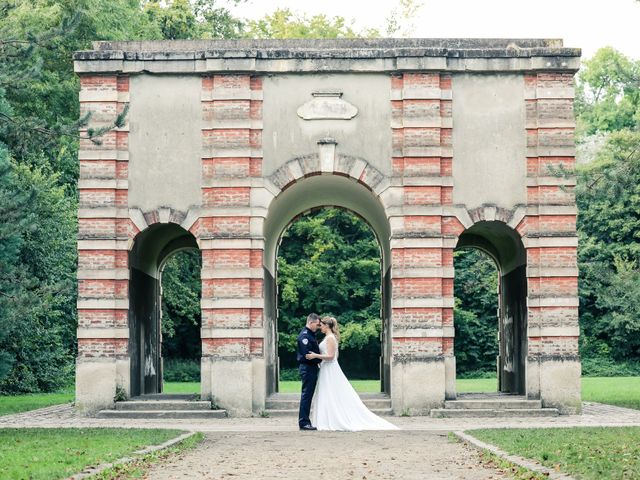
(327,455)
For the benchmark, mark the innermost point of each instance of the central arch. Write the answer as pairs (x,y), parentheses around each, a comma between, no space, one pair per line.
(329,190)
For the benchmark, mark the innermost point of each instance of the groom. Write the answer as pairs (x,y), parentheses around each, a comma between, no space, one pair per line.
(308,369)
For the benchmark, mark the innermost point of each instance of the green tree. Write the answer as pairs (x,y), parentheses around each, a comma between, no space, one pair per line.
(177,20)
(283,23)
(608,93)
(475,312)
(188,20)
(37,41)
(622,309)
(181,318)
(37,280)
(12,299)
(400,21)
(38,138)
(608,198)
(217,21)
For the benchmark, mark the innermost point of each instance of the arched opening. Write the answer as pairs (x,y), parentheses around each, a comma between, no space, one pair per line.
(147,258)
(304,196)
(329,262)
(504,246)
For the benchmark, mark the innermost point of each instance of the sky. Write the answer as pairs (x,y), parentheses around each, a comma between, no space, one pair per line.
(586,24)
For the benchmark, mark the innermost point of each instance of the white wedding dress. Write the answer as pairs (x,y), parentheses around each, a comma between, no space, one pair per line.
(336,405)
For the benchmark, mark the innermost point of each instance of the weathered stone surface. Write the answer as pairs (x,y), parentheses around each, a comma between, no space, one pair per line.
(327,105)
(329,55)
(437,143)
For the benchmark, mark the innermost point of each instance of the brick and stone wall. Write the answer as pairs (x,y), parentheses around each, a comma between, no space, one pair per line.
(549,231)
(416,160)
(104,231)
(232,276)
(422,247)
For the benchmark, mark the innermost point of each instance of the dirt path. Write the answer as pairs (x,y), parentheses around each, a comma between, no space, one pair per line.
(335,455)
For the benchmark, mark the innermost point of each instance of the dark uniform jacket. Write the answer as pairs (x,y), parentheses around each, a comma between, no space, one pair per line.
(307,343)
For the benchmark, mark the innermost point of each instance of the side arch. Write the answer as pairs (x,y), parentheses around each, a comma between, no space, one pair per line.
(504,245)
(149,251)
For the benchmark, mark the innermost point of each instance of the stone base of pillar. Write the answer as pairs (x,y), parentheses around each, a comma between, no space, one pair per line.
(259,384)
(417,386)
(228,383)
(556,381)
(560,384)
(450,377)
(205,379)
(123,375)
(533,378)
(96,381)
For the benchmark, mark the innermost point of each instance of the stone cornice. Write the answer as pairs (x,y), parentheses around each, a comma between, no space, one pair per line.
(341,55)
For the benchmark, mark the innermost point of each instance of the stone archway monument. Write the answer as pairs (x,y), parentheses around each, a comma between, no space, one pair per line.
(438,144)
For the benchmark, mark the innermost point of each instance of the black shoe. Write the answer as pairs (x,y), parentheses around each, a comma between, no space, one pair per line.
(308,427)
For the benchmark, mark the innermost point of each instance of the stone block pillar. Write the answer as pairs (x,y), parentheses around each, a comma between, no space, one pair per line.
(229,233)
(549,233)
(104,231)
(423,366)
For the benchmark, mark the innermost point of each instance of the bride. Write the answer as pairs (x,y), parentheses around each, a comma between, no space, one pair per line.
(336,404)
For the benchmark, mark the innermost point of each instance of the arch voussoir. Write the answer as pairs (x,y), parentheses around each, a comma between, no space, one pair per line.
(355,168)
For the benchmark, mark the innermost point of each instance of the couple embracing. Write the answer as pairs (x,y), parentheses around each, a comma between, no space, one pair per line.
(336,405)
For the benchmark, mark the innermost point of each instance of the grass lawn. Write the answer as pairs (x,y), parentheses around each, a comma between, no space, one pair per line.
(621,391)
(181,387)
(293,386)
(585,452)
(476,385)
(362,386)
(41,453)
(22,403)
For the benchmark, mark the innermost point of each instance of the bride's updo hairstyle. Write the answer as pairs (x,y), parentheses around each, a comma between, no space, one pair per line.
(332,323)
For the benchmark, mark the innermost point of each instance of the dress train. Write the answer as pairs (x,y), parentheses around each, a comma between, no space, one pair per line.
(336,405)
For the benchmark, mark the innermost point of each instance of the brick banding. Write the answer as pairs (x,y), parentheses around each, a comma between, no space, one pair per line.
(410,180)
(550,124)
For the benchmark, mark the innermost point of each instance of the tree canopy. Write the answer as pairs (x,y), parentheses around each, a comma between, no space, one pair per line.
(283,23)
(475,313)
(608,197)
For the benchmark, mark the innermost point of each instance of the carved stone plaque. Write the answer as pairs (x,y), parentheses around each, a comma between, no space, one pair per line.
(327,105)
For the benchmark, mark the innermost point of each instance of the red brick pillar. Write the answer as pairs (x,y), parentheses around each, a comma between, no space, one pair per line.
(229,232)
(103,235)
(422,243)
(549,231)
